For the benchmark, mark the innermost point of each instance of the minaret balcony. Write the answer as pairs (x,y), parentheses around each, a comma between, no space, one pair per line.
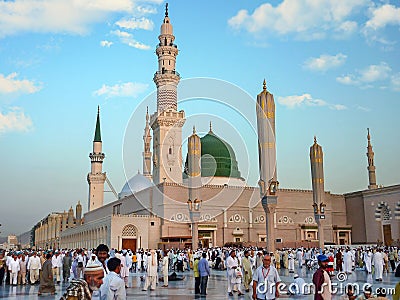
(96,157)
(169,45)
(167,72)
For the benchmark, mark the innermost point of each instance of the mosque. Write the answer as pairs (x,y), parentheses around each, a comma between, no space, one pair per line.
(204,201)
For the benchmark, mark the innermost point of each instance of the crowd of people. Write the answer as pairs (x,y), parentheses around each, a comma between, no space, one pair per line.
(103,273)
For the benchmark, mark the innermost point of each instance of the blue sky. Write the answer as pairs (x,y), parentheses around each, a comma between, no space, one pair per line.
(333,67)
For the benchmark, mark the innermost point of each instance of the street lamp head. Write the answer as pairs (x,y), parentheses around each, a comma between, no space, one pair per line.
(190,204)
(322,207)
(273,187)
(315,205)
(197,204)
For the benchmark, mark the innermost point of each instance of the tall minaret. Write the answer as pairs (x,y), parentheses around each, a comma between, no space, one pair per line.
(317,177)
(194,184)
(70,218)
(78,211)
(371,166)
(268,183)
(167,122)
(96,178)
(147,152)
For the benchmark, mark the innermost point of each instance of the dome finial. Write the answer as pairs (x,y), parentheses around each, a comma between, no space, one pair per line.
(264,85)
(368,136)
(211,127)
(166,10)
(315,139)
(194,129)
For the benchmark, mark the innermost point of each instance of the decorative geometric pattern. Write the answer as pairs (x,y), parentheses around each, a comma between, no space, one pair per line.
(309,220)
(237,219)
(207,218)
(285,220)
(397,211)
(166,98)
(259,219)
(180,217)
(129,230)
(383,212)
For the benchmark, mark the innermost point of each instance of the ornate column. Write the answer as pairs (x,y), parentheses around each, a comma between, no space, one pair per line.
(317,175)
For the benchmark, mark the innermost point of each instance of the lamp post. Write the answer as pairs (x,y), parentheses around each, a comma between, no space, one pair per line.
(319,214)
(194,213)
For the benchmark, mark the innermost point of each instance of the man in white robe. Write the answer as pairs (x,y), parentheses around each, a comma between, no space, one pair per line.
(291,261)
(378,264)
(368,261)
(151,276)
(165,269)
(34,266)
(14,268)
(347,261)
(232,266)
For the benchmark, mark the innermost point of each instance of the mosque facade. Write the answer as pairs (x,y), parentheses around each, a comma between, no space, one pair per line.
(204,201)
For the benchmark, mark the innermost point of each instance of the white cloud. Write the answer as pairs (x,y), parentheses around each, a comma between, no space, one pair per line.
(127,38)
(346,79)
(15,120)
(127,89)
(365,77)
(384,15)
(106,44)
(325,62)
(306,19)
(10,84)
(307,100)
(338,107)
(62,16)
(366,109)
(135,23)
(300,100)
(395,81)
(375,72)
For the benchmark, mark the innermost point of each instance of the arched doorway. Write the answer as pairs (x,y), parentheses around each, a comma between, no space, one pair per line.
(129,237)
(383,214)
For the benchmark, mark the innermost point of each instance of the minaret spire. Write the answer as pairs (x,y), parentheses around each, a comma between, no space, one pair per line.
(97,133)
(146,148)
(96,177)
(166,9)
(371,167)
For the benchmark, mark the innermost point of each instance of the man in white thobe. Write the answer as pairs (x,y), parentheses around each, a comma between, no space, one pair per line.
(291,261)
(232,265)
(34,266)
(165,269)
(368,261)
(378,264)
(151,276)
(347,261)
(56,264)
(14,268)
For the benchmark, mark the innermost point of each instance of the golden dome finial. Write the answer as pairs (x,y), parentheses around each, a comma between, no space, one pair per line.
(315,139)
(194,129)
(264,85)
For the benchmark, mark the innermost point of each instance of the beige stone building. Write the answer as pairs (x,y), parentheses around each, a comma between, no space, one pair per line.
(204,200)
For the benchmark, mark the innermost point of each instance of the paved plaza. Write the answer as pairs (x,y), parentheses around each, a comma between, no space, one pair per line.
(217,287)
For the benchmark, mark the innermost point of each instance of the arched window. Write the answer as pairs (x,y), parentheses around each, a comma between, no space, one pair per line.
(129,230)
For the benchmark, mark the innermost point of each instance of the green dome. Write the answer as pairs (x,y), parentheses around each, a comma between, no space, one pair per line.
(217,158)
